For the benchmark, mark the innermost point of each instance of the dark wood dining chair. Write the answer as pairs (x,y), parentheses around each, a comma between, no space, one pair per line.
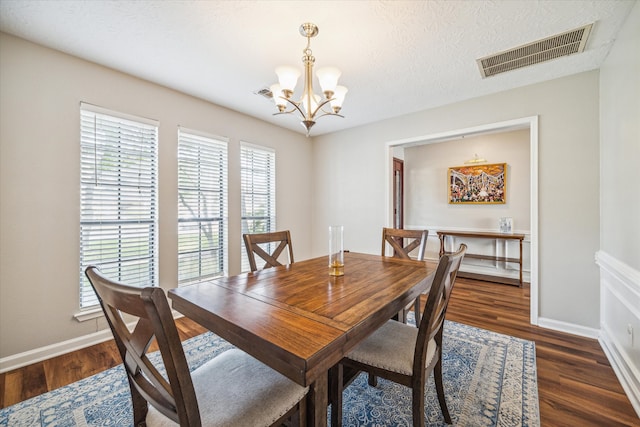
(397,237)
(404,354)
(233,388)
(404,242)
(256,244)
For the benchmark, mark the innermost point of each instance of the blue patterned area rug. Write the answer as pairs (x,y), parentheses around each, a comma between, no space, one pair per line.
(489,380)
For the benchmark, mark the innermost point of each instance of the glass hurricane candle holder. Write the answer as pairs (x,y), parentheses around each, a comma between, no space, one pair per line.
(336,250)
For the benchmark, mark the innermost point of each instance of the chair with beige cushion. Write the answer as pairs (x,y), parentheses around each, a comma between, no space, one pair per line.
(233,388)
(404,242)
(404,354)
(256,244)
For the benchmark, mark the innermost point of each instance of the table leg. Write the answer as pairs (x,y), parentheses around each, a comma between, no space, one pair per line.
(336,385)
(520,262)
(317,402)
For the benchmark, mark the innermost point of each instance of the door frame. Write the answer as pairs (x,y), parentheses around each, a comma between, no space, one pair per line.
(398,166)
(530,123)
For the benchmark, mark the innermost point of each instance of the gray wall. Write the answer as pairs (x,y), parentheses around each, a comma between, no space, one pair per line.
(619,255)
(40,181)
(350,172)
(426,192)
(620,146)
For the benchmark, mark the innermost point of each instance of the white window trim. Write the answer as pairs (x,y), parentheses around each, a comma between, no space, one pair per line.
(273,213)
(94,311)
(225,207)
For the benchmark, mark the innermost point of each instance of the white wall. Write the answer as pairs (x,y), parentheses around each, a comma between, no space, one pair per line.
(426,186)
(40,180)
(426,196)
(619,255)
(350,172)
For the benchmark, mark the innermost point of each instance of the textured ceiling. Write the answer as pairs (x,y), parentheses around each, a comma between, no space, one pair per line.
(396,57)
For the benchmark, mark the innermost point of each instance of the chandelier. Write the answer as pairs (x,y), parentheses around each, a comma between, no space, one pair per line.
(310,107)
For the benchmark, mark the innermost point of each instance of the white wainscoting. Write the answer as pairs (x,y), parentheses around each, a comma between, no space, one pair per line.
(620,322)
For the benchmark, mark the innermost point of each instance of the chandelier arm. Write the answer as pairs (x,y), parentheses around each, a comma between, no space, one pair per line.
(277,113)
(319,107)
(296,106)
(326,113)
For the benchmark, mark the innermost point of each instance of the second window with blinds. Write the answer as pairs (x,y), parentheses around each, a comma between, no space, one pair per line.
(258,192)
(202,206)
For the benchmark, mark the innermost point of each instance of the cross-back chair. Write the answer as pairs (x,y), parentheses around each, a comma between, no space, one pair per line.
(396,237)
(403,242)
(404,354)
(255,244)
(233,388)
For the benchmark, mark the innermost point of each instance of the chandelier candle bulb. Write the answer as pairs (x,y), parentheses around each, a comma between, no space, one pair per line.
(310,106)
(328,78)
(336,250)
(278,97)
(288,78)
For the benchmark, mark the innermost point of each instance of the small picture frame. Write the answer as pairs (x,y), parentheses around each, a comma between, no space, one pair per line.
(506,224)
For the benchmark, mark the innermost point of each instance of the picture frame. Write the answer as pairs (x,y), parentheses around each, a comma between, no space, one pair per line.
(477,184)
(505,224)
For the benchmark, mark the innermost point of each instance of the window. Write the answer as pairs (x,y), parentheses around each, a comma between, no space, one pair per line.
(202,206)
(118,198)
(258,192)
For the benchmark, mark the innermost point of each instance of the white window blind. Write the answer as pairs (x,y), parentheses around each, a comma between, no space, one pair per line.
(118,198)
(258,192)
(202,206)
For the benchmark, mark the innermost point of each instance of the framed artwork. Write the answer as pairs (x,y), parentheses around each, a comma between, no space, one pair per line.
(478,184)
(506,224)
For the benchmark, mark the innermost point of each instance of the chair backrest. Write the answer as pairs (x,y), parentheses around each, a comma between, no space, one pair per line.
(432,322)
(257,243)
(396,238)
(176,398)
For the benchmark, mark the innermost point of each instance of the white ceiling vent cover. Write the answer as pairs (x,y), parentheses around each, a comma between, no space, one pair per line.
(564,44)
(266,92)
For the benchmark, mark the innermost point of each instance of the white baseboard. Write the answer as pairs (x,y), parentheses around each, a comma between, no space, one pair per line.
(569,328)
(26,358)
(20,360)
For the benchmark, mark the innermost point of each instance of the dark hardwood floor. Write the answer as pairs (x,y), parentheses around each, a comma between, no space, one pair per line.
(576,384)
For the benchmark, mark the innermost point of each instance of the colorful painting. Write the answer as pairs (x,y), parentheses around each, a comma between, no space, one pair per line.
(478,184)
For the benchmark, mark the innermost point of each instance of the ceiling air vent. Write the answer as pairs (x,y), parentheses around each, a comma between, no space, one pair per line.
(266,92)
(564,44)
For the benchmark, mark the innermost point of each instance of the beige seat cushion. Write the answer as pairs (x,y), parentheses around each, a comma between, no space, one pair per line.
(234,389)
(391,347)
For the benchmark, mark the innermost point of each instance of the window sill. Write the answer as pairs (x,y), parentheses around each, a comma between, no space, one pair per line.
(90,314)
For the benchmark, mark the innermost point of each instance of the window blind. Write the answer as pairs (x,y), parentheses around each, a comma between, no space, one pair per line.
(258,192)
(202,206)
(118,198)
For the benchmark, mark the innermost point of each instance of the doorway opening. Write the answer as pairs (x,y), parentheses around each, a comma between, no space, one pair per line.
(529,123)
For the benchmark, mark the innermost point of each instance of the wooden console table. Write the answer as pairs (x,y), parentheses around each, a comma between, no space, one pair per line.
(486,235)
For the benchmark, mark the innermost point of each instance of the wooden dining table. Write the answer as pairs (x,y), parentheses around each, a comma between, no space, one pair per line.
(301,321)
